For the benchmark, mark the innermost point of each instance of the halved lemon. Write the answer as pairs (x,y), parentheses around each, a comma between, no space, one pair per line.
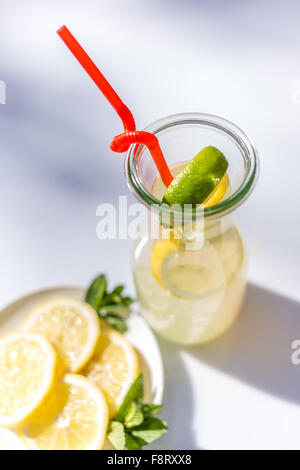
(27,373)
(74,417)
(73,327)
(113,367)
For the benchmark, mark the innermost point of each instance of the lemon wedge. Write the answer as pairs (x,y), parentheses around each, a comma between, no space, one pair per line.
(219,192)
(162,249)
(73,327)
(113,367)
(74,417)
(27,373)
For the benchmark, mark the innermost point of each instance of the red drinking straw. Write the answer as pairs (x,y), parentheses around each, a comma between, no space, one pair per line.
(122,142)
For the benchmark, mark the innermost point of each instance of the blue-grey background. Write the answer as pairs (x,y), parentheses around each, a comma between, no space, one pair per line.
(236,59)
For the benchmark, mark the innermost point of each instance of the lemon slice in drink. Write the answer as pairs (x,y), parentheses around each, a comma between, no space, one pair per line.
(230,249)
(193,274)
(161,249)
(27,373)
(73,327)
(113,367)
(73,417)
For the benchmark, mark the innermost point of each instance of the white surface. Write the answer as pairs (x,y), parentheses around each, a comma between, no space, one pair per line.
(139,334)
(234,59)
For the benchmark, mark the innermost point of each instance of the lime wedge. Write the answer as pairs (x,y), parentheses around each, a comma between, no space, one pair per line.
(198,179)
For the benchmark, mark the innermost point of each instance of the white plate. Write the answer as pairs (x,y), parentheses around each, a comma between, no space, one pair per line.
(139,334)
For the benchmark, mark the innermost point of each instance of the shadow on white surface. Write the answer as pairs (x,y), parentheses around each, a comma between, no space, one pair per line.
(257,349)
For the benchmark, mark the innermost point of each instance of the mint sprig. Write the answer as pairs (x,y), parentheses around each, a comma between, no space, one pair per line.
(112,307)
(136,423)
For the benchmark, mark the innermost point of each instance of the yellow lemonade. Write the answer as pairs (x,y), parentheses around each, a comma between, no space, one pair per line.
(191,292)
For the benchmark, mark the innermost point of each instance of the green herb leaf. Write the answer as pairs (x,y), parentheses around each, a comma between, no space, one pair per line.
(135,393)
(118,289)
(115,308)
(127,301)
(132,443)
(151,409)
(138,426)
(134,416)
(116,435)
(115,321)
(150,430)
(96,292)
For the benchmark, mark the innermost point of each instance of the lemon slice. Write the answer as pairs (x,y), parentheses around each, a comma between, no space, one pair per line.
(198,273)
(230,248)
(75,417)
(161,249)
(73,327)
(193,274)
(27,372)
(113,367)
(219,192)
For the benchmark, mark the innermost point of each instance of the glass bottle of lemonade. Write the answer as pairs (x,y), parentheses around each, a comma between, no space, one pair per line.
(190,271)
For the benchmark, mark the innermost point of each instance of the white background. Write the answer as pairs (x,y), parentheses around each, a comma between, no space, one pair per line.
(239,60)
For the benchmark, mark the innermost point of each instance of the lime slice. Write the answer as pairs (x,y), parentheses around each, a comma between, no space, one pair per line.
(198,179)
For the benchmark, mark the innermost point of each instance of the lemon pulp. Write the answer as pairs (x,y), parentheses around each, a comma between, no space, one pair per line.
(27,372)
(74,417)
(70,325)
(113,367)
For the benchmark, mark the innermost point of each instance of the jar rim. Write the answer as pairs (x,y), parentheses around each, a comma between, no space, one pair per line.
(246,146)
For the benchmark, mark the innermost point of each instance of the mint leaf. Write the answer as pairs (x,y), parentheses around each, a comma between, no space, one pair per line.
(118,290)
(96,291)
(150,430)
(115,297)
(116,322)
(137,424)
(131,442)
(151,409)
(135,393)
(134,416)
(116,435)
(111,307)
(127,301)
(114,308)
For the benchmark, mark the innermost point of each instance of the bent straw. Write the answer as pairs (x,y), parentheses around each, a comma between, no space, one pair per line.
(98,78)
(122,142)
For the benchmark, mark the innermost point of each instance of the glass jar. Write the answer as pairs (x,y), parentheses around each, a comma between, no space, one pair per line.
(191,278)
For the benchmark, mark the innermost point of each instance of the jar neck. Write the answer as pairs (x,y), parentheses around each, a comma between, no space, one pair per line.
(191,235)
(136,174)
